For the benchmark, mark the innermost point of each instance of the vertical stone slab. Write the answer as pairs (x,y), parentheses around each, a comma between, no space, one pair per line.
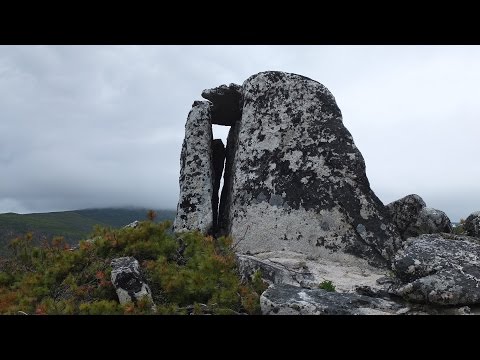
(194,210)
(297,182)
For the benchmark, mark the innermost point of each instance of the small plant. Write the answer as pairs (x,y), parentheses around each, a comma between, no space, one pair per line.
(327,285)
(151,215)
(257,282)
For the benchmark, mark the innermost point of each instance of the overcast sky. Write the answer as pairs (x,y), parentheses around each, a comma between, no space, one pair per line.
(100,126)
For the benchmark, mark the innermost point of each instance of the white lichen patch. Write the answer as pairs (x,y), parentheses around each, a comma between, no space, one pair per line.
(294,158)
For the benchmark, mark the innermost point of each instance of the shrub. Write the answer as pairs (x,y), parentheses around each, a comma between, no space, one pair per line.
(327,285)
(182,270)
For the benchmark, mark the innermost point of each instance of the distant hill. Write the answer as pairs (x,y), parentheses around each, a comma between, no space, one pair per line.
(72,225)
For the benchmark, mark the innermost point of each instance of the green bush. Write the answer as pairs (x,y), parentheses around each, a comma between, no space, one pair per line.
(182,270)
(327,285)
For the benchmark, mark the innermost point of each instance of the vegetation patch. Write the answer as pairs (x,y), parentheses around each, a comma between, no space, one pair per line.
(187,273)
(327,285)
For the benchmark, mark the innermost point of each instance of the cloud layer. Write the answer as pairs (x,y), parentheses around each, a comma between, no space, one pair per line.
(96,126)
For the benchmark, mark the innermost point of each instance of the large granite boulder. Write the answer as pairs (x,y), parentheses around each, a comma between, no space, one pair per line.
(405,212)
(430,221)
(294,179)
(439,269)
(412,218)
(195,210)
(128,281)
(472,224)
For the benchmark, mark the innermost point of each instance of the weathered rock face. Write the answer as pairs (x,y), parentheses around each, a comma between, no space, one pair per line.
(294,179)
(440,271)
(128,281)
(472,224)
(430,221)
(405,212)
(292,300)
(413,218)
(195,210)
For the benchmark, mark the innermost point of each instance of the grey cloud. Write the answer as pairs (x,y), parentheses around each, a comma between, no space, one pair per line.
(88,126)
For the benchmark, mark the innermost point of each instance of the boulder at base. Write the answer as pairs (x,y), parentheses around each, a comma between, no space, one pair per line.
(472,224)
(439,270)
(405,212)
(412,218)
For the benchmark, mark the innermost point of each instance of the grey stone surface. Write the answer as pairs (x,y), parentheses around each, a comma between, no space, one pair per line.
(194,210)
(405,212)
(292,300)
(438,270)
(347,272)
(472,224)
(430,221)
(128,281)
(412,218)
(226,102)
(294,179)
(274,272)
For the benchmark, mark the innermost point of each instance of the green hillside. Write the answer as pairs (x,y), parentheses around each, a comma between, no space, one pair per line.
(72,225)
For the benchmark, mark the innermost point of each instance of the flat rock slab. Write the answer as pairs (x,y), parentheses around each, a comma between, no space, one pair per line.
(292,300)
(438,270)
(346,272)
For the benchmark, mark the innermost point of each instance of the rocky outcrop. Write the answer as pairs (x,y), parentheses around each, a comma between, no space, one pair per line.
(438,270)
(195,210)
(412,218)
(292,300)
(472,224)
(297,202)
(128,281)
(295,180)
